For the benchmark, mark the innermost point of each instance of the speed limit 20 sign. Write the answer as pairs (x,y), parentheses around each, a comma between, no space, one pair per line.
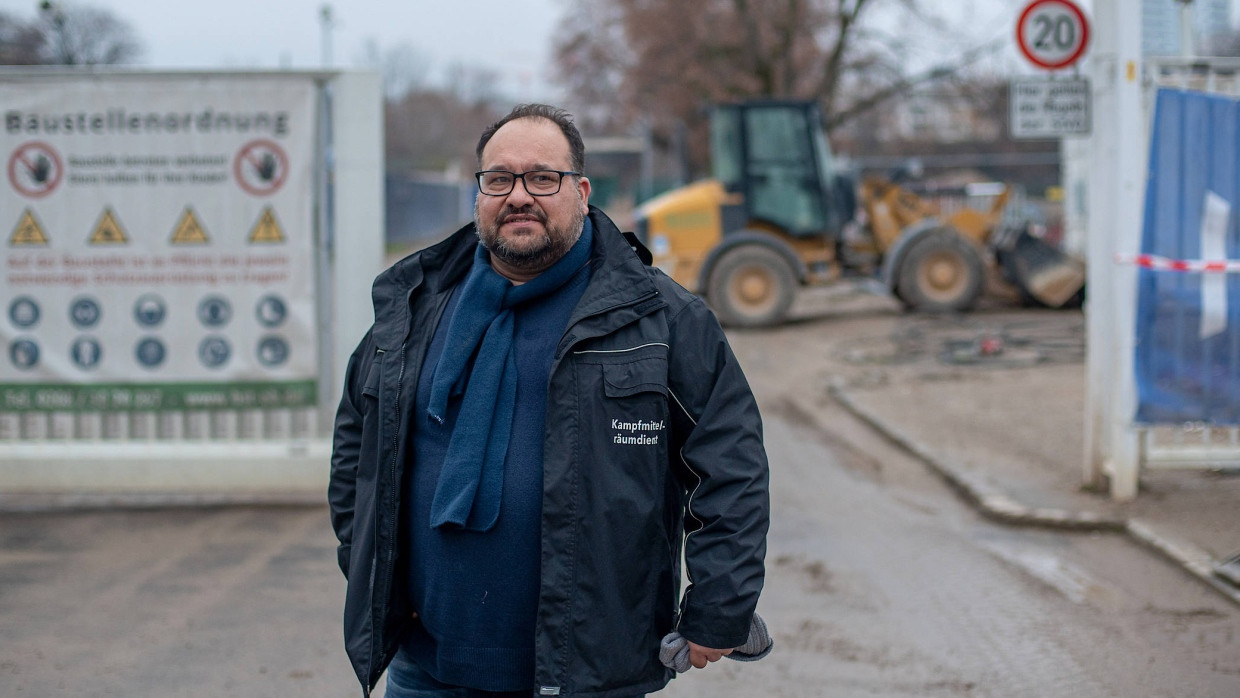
(1052,33)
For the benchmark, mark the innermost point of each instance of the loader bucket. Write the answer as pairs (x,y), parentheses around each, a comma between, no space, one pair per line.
(1044,273)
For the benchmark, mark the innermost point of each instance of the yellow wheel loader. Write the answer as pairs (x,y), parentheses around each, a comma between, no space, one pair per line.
(777,216)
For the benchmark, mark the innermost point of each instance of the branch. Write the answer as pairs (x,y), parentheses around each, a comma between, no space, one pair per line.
(832,119)
(832,68)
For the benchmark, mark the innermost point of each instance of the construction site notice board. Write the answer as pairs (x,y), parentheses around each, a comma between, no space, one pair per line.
(159,243)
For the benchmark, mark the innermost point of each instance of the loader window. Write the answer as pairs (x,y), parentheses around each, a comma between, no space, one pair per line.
(784,182)
(725,142)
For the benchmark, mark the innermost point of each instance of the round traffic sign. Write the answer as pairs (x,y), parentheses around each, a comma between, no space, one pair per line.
(1052,33)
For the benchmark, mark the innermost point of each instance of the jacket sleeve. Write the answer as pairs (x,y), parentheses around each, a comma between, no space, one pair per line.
(346,451)
(722,465)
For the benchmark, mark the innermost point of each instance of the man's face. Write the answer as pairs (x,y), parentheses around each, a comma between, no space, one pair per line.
(527,234)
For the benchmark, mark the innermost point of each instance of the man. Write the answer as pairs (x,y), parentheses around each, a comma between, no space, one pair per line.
(530,432)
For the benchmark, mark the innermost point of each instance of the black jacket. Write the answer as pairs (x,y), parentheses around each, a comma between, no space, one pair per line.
(652,439)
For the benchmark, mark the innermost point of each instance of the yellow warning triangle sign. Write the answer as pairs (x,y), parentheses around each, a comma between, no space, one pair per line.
(108,231)
(189,231)
(267,229)
(28,231)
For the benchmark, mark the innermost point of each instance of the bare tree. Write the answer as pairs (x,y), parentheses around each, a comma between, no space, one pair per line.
(20,42)
(430,130)
(668,59)
(402,68)
(84,35)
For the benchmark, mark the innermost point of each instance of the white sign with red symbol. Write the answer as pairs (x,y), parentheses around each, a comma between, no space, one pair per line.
(1052,34)
(150,225)
(35,169)
(260,167)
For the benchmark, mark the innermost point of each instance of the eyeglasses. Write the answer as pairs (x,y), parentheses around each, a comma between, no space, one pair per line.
(537,182)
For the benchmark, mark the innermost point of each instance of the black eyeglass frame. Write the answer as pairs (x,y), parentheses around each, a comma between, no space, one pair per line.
(521,176)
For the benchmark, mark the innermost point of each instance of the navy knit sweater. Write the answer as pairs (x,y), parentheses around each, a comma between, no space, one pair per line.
(477,593)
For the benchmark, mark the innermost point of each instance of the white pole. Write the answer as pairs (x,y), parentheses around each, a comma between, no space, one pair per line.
(1187,48)
(325,37)
(1118,147)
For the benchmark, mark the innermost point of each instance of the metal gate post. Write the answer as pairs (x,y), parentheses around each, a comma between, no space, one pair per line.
(1116,194)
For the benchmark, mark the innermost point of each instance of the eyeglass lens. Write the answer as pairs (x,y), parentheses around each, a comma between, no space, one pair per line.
(537,182)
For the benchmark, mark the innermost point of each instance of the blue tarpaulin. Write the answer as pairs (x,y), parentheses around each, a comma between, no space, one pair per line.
(1188,322)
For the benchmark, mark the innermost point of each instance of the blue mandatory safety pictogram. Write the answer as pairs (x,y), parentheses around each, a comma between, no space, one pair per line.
(213,351)
(272,351)
(149,310)
(24,312)
(85,312)
(86,352)
(271,311)
(150,352)
(24,354)
(214,311)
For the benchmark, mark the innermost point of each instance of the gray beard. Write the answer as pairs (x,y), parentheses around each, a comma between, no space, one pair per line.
(555,243)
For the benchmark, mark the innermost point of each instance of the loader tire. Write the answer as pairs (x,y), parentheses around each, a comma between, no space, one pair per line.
(942,272)
(751,286)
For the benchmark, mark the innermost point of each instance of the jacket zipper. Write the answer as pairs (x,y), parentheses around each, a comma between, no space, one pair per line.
(390,552)
(688,502)
(566,344)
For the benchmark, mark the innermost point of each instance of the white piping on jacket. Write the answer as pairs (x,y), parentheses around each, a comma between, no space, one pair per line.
(621,351)
(689,503)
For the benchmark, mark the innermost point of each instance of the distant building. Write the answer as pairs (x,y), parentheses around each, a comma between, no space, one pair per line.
(1160,24)
(939,115)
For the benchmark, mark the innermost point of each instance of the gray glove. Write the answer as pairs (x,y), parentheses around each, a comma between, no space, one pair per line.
(674,651)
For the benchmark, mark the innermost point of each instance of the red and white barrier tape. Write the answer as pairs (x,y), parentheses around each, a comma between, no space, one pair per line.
(1150,261)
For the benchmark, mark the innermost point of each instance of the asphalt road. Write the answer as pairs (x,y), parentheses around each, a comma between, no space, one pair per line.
(880,583)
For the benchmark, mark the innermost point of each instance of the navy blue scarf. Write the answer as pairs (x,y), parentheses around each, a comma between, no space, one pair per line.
(471,482)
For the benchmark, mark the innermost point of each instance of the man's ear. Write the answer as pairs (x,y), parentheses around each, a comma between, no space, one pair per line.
(583,185)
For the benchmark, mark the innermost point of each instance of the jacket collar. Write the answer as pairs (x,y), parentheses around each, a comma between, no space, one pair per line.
(618,278)
(428,270)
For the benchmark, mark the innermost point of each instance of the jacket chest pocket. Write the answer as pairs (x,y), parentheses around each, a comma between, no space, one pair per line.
(624,410)
(648,375)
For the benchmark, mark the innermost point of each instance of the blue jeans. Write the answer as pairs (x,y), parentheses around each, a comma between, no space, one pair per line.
(406,679)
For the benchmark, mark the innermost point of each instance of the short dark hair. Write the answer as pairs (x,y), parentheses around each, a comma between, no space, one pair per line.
(557,116)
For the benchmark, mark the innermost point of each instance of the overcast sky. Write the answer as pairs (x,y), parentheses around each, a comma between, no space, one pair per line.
(510,37)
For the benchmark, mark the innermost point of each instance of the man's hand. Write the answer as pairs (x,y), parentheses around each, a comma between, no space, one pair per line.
(699,656)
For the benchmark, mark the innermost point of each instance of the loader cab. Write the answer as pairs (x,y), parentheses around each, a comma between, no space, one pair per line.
(774,155)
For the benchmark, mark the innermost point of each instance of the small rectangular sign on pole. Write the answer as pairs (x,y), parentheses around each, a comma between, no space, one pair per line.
(1042,108)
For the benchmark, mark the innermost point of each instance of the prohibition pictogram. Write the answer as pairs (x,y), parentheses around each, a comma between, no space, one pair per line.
(260,167)
(28,232)
(35,169)
(108,231)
